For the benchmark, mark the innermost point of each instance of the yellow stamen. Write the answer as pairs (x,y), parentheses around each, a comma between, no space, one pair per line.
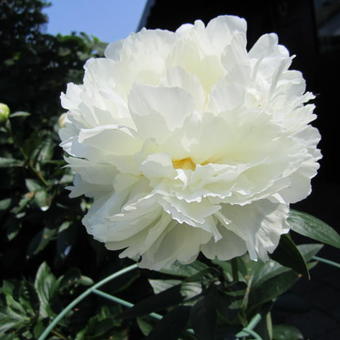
(206,162)
(185,164)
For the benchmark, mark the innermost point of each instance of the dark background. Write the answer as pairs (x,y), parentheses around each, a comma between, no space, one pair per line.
(309,30)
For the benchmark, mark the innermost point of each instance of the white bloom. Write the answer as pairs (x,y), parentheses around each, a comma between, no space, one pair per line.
(188,142)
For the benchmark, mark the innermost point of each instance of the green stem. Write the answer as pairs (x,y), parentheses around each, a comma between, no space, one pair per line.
(87,292)
(252,333)
(329,262)
(249,329)
(234,269)
(38,174)
(122,302)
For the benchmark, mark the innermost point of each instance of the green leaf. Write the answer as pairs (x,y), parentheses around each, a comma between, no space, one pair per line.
(227,308)
(5,204)
(195,272)
(203,316)
(73,278)
(39,327)
(288,255)
(99,328)
(42,199)
(312,227)
(85,281)
(10,162)
(226,267)
(144,326)
(309,250)
(188,289)
(12,320)
(40,241)
(186,270)
(12,226)
(33,185)
(286,332)
(266,271)
(28,297)
(159,286)
(269,269)
(64,226)
(104,325)
(9,337)
(46,150)
(14,315)
(7,288)
(24,201)
(31,145)
(272,288)
(19,114)
(45,285)
(172,325)
(14,305)
(236,289)
(69,279)
(81,334)
(191,289)
(167,298)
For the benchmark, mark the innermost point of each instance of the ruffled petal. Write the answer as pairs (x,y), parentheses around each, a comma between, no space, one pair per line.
(165,107)
(252,220)
(179,243)
(226,248)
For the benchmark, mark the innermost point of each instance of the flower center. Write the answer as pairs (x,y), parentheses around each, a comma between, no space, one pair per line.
(185,164)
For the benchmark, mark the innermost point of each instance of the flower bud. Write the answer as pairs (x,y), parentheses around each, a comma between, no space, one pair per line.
(4,112)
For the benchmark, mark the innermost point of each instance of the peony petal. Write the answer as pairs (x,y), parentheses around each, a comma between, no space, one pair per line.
(114,49)
(267,238)
(166,107)
(227,95)
(158,166)
(246,221)
(221,29)
(101,174)
(178,77)
(193,213)
(71,99)
(267,46)
(81,187)
(111,139)
(226,248)
(146,238)
(123,225)
(179,242)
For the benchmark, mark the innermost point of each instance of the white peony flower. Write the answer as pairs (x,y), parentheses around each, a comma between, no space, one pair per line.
(189,143)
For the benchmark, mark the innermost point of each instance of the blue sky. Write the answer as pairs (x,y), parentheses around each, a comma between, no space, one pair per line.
(109,20)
